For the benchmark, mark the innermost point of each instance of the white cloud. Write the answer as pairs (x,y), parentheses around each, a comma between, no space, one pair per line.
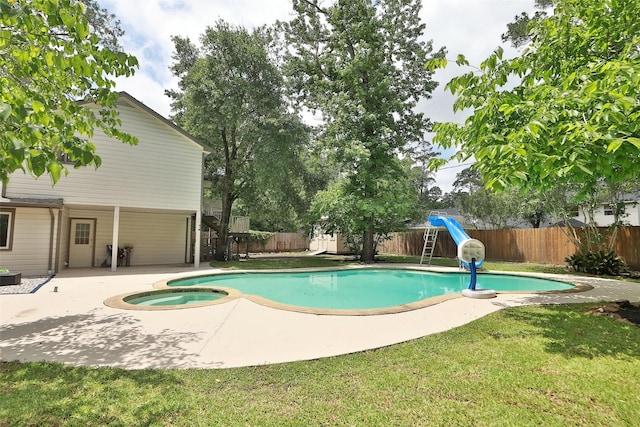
(469,27)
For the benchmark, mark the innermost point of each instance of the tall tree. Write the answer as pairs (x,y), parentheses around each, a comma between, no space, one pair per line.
(518,30)
(231,96)
(104,24)
(481,206)
(428,194)
(341,209)
(571,111)
(360,63)
(50,59)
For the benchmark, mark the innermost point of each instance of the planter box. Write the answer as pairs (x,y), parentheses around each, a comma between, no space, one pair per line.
(10,278)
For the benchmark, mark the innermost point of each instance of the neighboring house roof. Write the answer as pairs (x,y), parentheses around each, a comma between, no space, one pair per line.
(573,222)
(125,97)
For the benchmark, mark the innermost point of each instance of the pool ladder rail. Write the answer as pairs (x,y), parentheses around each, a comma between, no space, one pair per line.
(430,237)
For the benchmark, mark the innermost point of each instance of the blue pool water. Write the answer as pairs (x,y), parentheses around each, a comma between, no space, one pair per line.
(362,288)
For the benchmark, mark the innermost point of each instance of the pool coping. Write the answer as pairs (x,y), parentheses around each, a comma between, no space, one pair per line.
(233,294)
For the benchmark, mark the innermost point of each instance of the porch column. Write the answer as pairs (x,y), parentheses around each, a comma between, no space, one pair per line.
(196,249)
(189,241)
(114,238)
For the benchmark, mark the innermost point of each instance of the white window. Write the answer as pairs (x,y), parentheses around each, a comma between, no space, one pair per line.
(609,210)
(6,228)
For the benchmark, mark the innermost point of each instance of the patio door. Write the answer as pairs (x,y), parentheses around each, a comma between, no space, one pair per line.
(81,242)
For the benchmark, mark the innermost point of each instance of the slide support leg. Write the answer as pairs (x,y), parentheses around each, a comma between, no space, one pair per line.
(472,268)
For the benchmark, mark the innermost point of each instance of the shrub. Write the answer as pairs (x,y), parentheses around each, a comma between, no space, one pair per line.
(598,262)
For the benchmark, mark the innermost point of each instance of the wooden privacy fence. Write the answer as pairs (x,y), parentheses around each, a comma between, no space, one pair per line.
(544,245)
(277,242)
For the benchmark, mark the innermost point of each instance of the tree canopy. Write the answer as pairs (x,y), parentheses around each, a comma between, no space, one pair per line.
(49,60)
(518,30)
(359,64)
(566,111)
(231,96)
(104,24)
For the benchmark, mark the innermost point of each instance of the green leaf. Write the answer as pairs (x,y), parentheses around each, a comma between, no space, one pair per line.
(435,63)
(521,175)
(635,141)
(614,145)
(591,88)
(37,106)
(55,170)
(5,111)
(461,60)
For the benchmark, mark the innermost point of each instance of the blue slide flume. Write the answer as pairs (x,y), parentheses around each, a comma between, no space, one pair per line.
(458,235)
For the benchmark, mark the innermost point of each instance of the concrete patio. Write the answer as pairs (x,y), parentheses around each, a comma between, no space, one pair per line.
(66,321)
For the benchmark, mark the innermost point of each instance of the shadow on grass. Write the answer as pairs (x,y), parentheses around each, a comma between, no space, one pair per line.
(91,339)
(83,395)
(572,332)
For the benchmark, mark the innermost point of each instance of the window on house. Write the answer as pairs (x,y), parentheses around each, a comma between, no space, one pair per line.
(6,228)
(609,210)
(82,234)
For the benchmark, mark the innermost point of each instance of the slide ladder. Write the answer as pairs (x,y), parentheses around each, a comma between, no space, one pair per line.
(430,237)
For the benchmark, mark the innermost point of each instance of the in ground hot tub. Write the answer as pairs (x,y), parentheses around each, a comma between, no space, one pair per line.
(168,299)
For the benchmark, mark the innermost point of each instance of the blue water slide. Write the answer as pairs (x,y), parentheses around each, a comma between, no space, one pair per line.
(455,230)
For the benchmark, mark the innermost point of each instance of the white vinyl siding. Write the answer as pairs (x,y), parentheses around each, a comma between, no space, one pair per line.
(156,238)
(162,172)
(156,184)
(603,216)
(31,239)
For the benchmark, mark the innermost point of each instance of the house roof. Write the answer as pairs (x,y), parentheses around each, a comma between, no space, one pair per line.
(31,202)
(124,96)
(572,221)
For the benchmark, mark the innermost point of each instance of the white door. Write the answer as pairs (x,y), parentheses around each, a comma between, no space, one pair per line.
(81,243)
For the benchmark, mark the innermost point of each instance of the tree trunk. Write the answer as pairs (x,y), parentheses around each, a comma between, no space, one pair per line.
(368,253)
(226,194)
(223,234)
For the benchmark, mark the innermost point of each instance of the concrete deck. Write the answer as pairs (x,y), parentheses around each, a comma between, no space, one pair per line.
(66,321)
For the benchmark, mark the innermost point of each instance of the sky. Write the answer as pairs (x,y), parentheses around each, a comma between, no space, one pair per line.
(469,27)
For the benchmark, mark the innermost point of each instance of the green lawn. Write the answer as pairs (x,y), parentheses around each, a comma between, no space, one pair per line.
(548,365)
(298,260)
(552,366)
(301,260)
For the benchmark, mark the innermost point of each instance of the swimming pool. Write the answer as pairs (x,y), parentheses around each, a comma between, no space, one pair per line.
(389,290)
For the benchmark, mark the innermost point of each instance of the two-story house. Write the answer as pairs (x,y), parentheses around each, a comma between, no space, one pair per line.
(145,199)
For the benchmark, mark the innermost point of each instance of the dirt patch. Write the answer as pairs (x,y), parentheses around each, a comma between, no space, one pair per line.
(623,311)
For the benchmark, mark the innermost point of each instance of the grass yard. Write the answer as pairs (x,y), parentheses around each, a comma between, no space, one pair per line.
(298,260)
(551,365)
(301,260)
